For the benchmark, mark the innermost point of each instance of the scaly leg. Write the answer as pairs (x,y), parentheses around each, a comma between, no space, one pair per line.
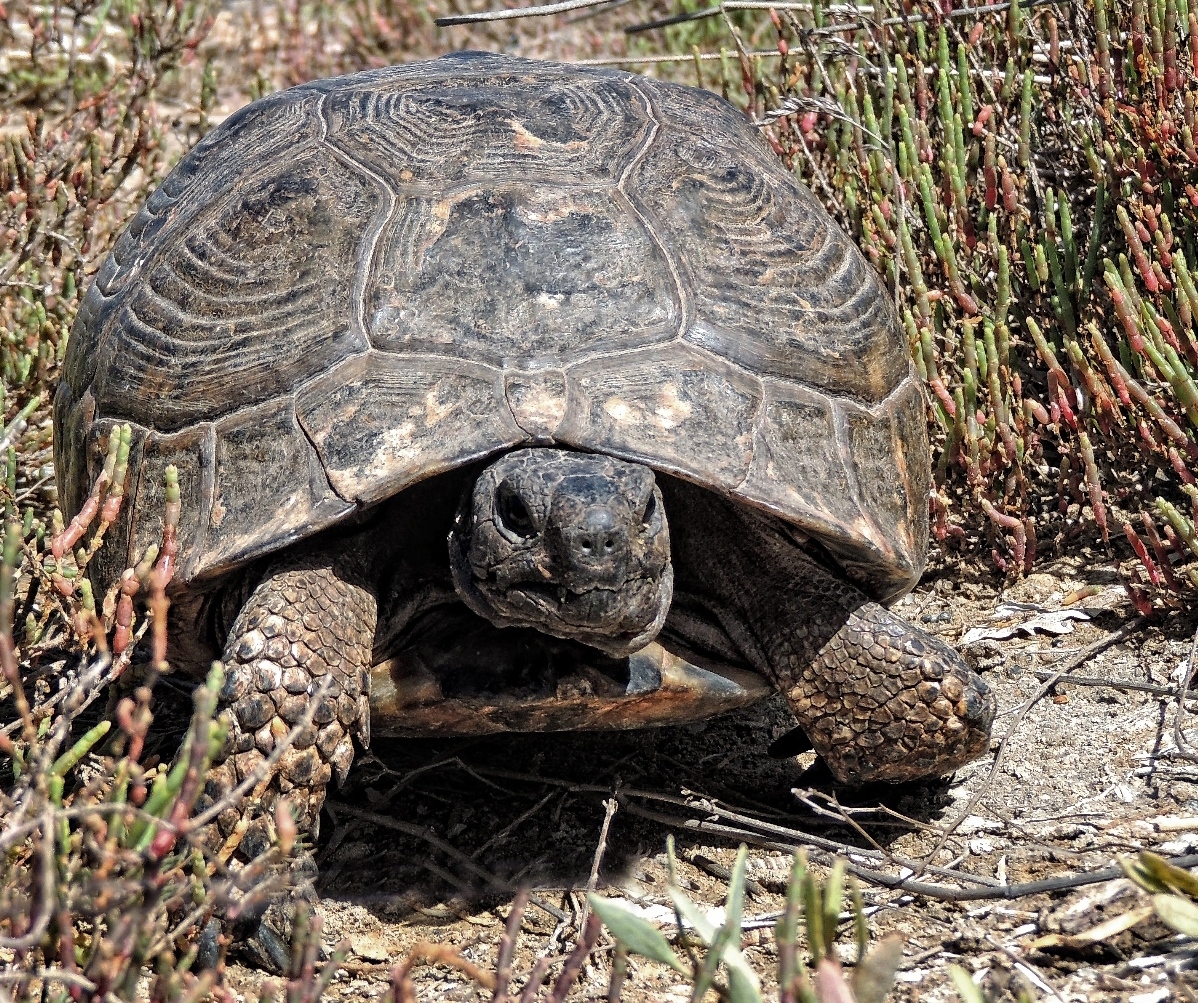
(306,625)
(878,698)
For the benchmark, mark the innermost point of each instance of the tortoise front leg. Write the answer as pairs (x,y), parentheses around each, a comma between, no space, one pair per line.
(878,698)
(307,624)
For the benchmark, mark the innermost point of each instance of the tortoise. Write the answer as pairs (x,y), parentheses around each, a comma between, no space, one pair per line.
(509,395)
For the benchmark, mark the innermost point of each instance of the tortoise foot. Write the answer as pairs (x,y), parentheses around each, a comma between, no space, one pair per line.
(885,701)
(879,699)
(266,947)
(263,944)
(264,939)
(262,936)
(208,948)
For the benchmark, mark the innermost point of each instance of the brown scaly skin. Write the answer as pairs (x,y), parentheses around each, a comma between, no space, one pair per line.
(878,698)
(306,622)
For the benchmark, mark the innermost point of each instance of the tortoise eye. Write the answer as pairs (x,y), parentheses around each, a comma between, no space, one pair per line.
(513,514)
(650,510)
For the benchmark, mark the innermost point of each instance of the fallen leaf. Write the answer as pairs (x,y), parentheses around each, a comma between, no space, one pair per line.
(370,947)
(1056,622)
(1112,926)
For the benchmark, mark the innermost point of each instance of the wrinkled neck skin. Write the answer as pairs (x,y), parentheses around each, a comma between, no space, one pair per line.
(573,544)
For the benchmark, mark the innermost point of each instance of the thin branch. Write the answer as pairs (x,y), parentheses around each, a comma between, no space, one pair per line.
(1191,664)
(16,834)
(424,833)
(104,670)
(836,9)
(610,805)
(606,7)
(900,883)
(516,822)
(506,15)
(46,900)
(50,975)
(1116,684)
(793,836)
(648,60)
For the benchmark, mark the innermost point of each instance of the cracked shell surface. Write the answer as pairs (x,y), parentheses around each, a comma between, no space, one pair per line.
(305,297)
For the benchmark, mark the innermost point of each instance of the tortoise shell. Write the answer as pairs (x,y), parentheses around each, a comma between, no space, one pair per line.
(358,283)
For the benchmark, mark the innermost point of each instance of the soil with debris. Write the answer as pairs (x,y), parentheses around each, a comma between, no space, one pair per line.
(1091,771)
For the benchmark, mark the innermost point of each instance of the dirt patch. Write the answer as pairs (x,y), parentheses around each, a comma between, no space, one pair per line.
(1089,774)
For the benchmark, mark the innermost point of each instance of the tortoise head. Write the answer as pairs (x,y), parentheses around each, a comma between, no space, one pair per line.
(573,544)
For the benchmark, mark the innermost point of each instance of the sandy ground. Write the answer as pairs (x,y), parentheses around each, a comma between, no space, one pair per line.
(1090,772)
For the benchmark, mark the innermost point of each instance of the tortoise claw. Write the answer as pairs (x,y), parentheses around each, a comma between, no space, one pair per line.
(265,931)
(261,941)
(208,950)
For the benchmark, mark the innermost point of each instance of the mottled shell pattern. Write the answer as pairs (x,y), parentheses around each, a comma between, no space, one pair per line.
(359,283)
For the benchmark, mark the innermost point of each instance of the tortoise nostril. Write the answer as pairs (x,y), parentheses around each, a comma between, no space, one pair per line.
(596,539)
(650,509)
